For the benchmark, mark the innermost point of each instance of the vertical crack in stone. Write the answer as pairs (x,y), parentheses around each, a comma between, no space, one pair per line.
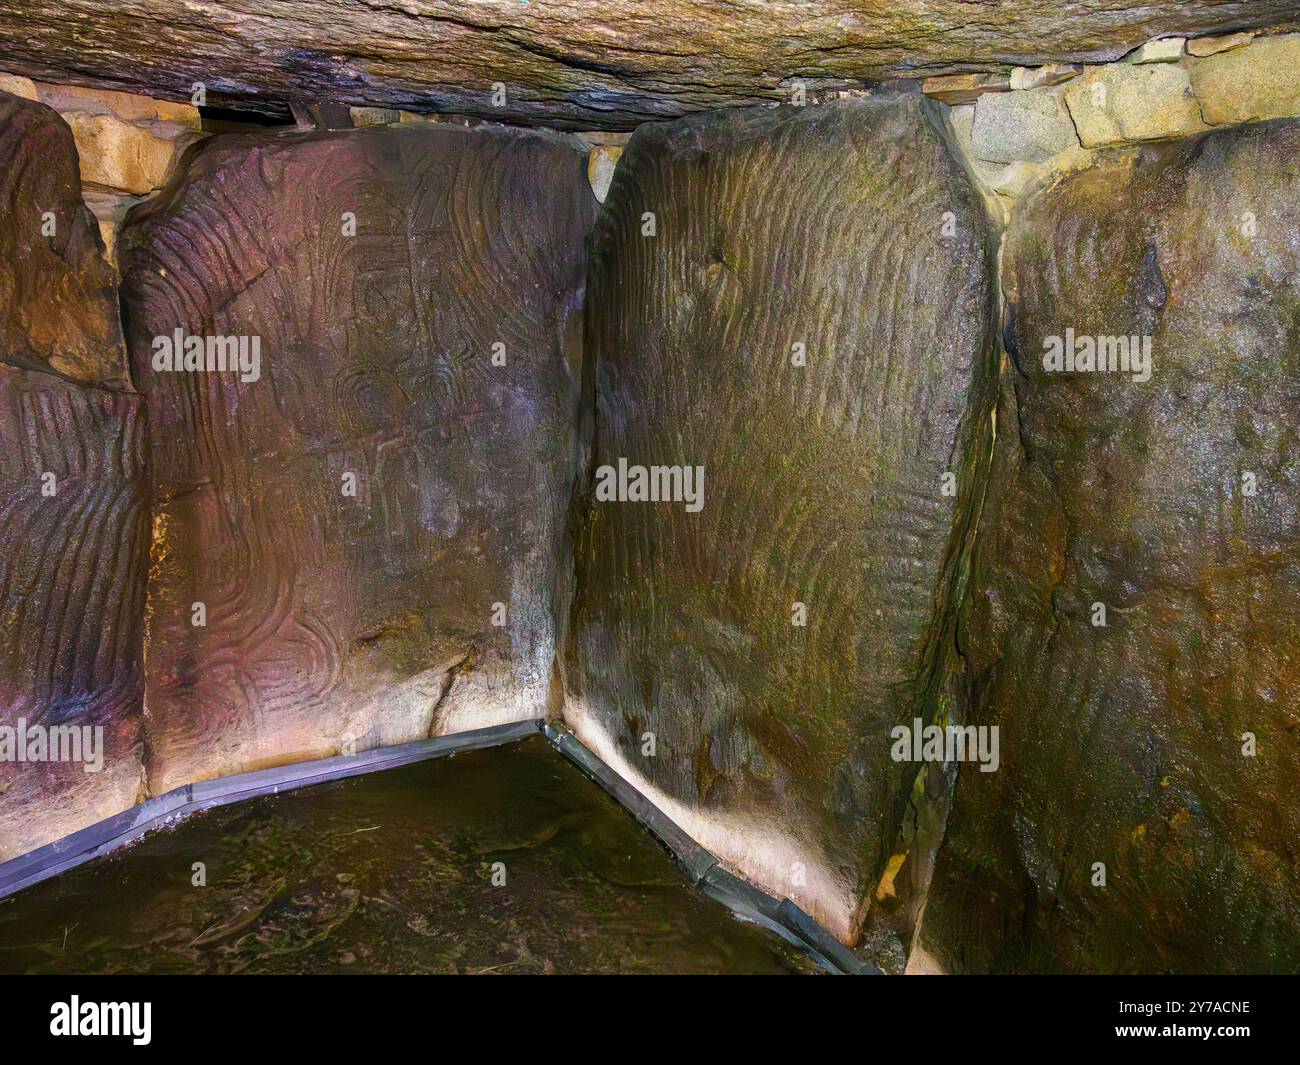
(890,915)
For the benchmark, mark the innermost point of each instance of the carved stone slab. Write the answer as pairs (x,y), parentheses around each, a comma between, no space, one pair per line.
(74,525)
(58,296)
(798,303)
(373,517)
(1134,628)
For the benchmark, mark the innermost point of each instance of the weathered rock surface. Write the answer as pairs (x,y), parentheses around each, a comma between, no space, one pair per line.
(1124,102)
(563,61)
(336,620)
(129,107)
(58,297)
(954,89)
(1246,84)
(848,230)
(1203,46)
(124,142)
(1005,179)
(1044,76)
(375,116)
(1164,50)
(18,86)
(74,522)
(118,155)
(1123,744)
(110,209)
(600,168)
(1025,126)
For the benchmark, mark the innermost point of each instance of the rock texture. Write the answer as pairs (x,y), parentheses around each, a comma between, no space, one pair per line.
(18,86)
(1203,46)
(1029,125)
(1044,76)
(849,230)
(351,519)
(125,142)
(1164,50)
(1123,102)
(116,154)
(58,298)
(129,107)
(600,168)
(74,524)
(955,89)
(1246,84)
(562,61)
(1122,743)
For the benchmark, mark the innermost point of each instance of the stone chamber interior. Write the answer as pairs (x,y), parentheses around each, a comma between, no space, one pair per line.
(863,440)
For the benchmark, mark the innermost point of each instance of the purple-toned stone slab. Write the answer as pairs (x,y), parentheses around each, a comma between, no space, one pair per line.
(74,525)
(58,296)
(377,269)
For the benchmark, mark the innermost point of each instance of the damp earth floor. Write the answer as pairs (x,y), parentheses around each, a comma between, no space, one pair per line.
(393,873)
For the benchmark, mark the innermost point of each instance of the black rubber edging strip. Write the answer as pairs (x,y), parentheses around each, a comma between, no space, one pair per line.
(167,809)
(740,896)
(702,868)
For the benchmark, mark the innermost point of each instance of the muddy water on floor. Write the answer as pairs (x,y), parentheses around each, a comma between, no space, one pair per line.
(393,873)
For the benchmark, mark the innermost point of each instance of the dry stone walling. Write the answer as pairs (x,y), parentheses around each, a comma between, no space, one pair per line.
(73,503)
(565,61)
(358,535)
(1134,627)
(794,305)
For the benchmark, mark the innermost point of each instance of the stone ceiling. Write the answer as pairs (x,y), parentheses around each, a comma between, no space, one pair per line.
(608,65)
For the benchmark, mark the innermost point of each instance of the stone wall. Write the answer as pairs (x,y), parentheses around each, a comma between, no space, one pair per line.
(832,334)
(358,539)
(1020,129)
(127,146)
(1165,179)
(1133,624)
